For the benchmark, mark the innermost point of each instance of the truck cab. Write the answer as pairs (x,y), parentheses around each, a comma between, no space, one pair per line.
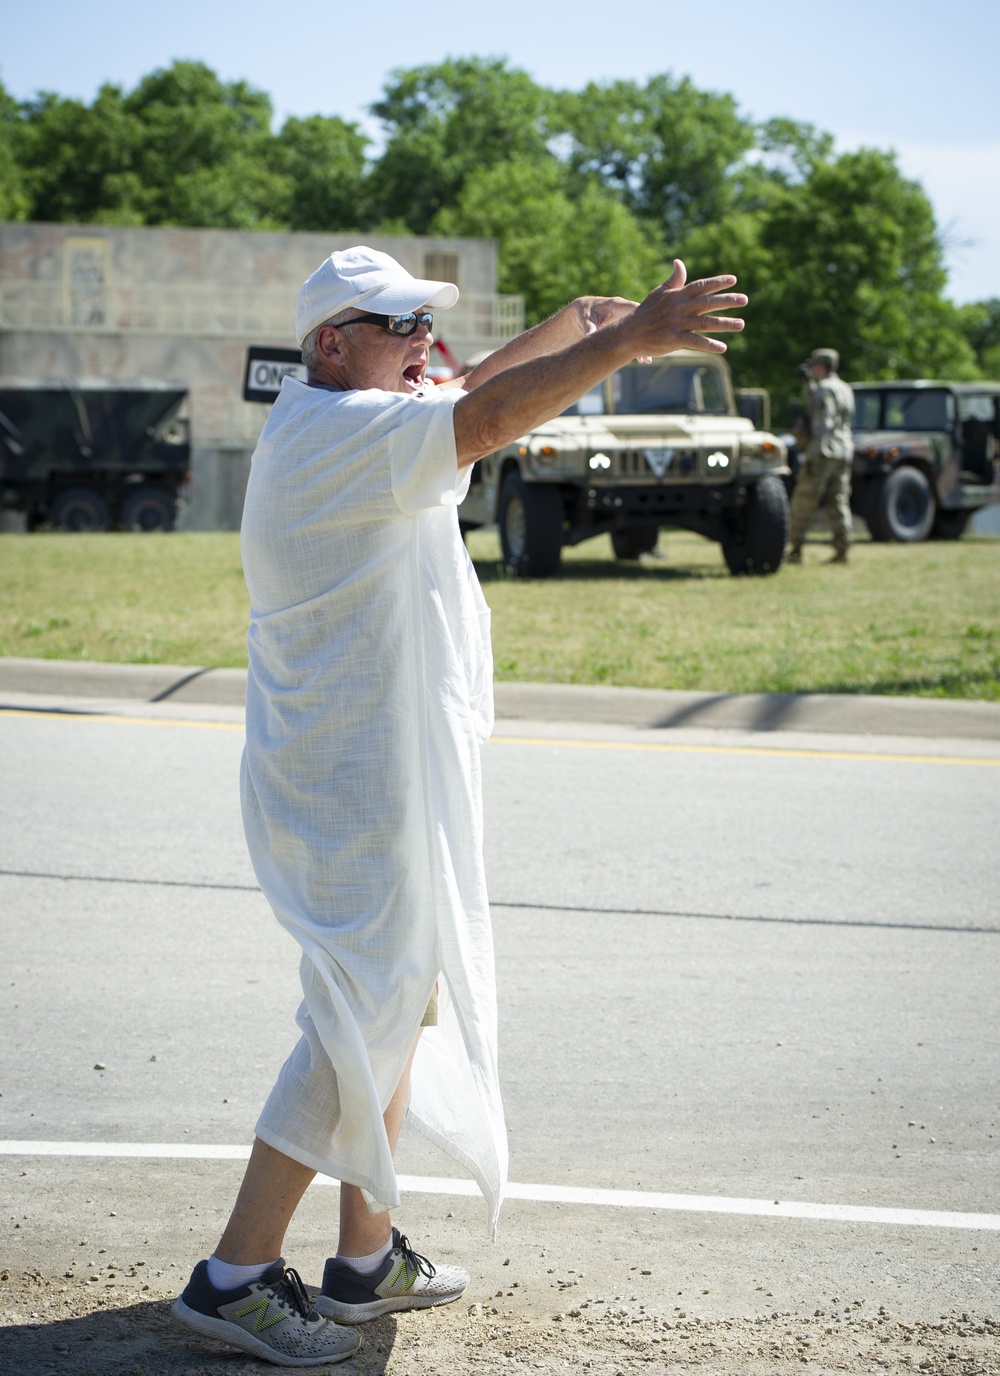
(926,456)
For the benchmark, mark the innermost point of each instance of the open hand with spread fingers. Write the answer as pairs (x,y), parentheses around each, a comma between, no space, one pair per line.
(681,314)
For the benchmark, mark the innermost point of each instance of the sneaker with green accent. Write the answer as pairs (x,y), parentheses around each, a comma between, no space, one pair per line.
(405,1280)
(272,1318)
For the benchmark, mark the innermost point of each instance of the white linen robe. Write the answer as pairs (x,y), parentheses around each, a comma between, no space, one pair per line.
(369,696)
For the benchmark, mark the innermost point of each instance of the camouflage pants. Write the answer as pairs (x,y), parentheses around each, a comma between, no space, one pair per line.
(822,482)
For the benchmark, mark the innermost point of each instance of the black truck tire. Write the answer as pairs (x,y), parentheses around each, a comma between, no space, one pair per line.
(901,507)
(148,508)
(629,544)
(755,542)
(531,525)
(950,525)
(79,509)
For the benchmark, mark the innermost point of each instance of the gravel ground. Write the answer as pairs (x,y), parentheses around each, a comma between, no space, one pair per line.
(115,1321)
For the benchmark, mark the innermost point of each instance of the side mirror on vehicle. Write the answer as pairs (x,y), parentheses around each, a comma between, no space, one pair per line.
(754,404)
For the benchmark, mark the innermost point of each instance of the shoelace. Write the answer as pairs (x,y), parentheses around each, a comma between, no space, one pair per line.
(290,1292)
(414,1259)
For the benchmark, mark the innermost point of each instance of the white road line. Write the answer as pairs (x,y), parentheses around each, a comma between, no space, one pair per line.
(545,1194)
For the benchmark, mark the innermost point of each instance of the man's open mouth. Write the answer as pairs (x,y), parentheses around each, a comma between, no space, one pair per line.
(413,376)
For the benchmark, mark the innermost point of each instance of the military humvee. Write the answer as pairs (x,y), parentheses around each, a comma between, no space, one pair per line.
(926,456)
(93,456)
(654,445)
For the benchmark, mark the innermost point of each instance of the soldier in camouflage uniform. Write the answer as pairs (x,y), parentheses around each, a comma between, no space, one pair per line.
(825,474)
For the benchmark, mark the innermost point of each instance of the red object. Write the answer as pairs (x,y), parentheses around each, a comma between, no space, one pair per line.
(448,356)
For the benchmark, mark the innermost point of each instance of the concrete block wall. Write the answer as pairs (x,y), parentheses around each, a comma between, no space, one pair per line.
(183,305)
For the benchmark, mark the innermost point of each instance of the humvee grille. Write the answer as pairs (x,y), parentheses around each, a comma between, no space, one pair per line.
(632,464)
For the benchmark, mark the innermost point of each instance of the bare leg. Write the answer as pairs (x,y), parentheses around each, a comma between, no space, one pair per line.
(270,1194)
(273,1186)
(361,1231)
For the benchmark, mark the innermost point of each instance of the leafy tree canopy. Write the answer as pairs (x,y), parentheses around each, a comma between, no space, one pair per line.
(323,158)
(550,242)
(593,190)
(14,202)
(666,147)
(847,258)
(446,122)
(979,321)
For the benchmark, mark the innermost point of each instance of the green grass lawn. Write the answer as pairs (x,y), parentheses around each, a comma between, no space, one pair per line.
(921,619)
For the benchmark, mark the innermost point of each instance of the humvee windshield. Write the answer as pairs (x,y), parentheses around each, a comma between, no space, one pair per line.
(651,389)
(590,404)
(909,409)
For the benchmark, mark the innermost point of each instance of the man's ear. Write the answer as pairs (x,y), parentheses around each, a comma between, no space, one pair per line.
(329,342)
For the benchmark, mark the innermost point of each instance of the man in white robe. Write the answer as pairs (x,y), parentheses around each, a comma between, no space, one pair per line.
(369,696)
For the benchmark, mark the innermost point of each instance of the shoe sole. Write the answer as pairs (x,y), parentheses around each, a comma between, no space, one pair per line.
(364,1313)
(225,1332)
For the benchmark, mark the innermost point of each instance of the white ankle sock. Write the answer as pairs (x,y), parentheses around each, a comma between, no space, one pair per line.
(224,1276)
(366,1265)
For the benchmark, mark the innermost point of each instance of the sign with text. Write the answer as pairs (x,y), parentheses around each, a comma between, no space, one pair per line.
(265,370)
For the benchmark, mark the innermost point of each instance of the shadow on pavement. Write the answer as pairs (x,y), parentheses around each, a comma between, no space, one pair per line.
(774,710)
(145,1340)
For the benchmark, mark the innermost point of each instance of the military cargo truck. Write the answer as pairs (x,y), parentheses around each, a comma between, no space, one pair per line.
(656,444)
(926,456)
(93,456)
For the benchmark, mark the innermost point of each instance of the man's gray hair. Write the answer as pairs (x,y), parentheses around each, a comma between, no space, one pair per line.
(310,352)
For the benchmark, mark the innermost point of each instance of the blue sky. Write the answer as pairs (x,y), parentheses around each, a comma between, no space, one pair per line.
(921,78)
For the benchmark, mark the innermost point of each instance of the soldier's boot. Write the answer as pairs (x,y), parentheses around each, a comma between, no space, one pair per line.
(794,555)
(839,557)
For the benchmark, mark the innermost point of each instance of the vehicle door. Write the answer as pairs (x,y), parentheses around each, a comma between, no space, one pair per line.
(977,437)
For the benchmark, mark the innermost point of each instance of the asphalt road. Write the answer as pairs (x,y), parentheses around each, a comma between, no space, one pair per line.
(731,968)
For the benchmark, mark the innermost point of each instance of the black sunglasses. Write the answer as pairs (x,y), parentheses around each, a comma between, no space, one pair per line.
(396,324)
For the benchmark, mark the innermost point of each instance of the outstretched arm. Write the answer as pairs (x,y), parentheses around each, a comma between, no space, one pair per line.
(542,381)
(581,317)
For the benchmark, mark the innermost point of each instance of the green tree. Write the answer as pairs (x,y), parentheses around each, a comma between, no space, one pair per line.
(790,152)
(182,148)
(979,322)
(324,160)
(79,162)
(446,122)
(552,246)
(667,148)
(13,197)
(850,258)
(202,150)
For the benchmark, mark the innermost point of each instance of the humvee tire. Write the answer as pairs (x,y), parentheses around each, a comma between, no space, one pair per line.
(78,509)
(902,507)
(950,525)
(629,544)
(531,522)
(756,541)
(148,508)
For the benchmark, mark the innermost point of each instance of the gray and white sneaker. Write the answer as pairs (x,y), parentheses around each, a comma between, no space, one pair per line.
(405,1280)
(272,1318)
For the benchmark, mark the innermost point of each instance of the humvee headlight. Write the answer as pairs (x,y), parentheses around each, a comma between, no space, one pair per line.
(551,460)
(718,460)
(599,461)
(548,456)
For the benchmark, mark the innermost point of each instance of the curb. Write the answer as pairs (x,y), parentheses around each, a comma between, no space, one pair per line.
(650,708)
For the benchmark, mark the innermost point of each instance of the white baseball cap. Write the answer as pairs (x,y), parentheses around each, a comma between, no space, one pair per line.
(357,277)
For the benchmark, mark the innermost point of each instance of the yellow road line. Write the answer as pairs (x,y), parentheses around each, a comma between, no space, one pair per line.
(43,714)
(656,747)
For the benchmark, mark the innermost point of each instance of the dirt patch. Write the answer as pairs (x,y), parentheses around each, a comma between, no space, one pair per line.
(119,1324)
